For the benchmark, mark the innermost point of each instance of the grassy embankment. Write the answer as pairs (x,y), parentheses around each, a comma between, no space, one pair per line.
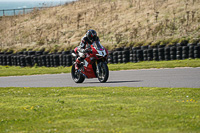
(118,23)
(18,71)
(100,109)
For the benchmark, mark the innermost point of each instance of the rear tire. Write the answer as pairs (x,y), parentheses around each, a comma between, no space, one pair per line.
(105,73)
(77,76)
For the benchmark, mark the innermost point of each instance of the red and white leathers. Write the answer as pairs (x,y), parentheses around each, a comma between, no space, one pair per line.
(85,43)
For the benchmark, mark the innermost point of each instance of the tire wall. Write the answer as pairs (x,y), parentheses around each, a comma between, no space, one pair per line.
(119,55)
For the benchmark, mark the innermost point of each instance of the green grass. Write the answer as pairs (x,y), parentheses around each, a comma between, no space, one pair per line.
(18,71)
(100,109)
(156,64)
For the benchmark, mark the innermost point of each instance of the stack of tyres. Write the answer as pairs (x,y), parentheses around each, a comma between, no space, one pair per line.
(191,50)
(115,57)
(43,60)
(120,57)
(69,60)
(179,53)
(155,54)
(9,60)
(4,60)
(167,53)
(197,51)
(173,53)
(14,60)
(161,54)
(22,61)
(150,54)
(64,60)
(61,60)
(1,59)
(51,61)
(56,60)
(139,55)
(125,56)
(145,57)
(134,55)
(110,57)
(131,56)
(18,60)
(48,61)
(1,56)
(39,60)
(28,61)
(35,60)
(144,48)
(185,52)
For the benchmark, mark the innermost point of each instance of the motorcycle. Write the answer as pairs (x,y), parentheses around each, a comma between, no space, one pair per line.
(93,66)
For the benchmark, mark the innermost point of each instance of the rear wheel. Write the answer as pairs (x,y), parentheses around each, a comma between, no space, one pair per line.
(77,76)
(103,72)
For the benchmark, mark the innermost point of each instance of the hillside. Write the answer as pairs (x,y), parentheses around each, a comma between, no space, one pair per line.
(118,23)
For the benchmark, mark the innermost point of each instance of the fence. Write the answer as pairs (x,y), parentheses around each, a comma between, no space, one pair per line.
(120,55)
(10,12)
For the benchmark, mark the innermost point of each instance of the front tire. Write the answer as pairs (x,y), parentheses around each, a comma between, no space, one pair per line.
(77,76)
(103,74)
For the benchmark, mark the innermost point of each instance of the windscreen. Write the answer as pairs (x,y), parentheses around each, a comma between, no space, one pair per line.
(97,45)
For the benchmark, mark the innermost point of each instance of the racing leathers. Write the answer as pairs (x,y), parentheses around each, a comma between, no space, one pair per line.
(83,48)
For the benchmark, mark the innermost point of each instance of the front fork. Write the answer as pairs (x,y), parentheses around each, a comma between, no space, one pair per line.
(99,65)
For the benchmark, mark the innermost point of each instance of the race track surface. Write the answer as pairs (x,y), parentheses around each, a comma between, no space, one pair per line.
(178,77)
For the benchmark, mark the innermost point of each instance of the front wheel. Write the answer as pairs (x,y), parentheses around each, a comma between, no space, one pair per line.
(77,76)
(102,72)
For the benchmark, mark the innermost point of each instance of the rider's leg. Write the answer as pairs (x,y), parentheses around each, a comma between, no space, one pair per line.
(79,60)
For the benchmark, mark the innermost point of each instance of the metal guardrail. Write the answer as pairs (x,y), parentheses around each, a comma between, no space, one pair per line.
(17,11)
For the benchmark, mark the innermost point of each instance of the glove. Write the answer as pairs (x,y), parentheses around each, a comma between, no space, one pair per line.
(88,50)
(82,50)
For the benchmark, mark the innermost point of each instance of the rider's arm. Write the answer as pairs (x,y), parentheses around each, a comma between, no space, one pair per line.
(98,38)
(81,47)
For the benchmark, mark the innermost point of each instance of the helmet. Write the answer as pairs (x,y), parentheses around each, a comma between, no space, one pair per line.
(91,35)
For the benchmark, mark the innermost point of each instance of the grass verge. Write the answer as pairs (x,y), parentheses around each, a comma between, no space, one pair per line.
(18,71)
(99,109)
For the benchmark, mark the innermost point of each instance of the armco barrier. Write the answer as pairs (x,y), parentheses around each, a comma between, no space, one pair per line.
(119,55)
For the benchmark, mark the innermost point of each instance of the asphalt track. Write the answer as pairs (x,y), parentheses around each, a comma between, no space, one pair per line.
(173,78)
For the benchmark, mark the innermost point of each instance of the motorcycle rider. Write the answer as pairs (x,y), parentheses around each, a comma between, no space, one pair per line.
(86,42)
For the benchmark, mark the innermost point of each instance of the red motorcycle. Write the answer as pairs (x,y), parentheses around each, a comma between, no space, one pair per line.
(93,66)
